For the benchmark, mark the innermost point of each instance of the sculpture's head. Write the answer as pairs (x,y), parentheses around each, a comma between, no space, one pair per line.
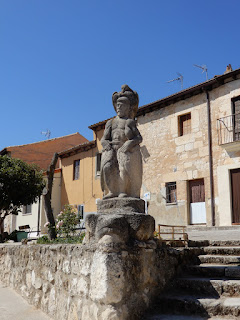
(123,107)
(125,102)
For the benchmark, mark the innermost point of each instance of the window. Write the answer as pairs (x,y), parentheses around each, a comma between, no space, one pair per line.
(98,163)
(27,209)
(171,192)
(80,209)
(236,118)
(76,166)
(184,124)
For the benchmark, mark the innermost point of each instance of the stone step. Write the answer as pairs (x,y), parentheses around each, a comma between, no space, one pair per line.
(206,286)
(214,270)
(219,250)
(228,243)
(197,286)
(184,317)
(201,306)
(219,259)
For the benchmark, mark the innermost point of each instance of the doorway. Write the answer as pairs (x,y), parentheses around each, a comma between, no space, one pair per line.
(235,188)
(197,201)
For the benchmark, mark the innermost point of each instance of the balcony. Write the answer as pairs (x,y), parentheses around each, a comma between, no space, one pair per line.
(229,132)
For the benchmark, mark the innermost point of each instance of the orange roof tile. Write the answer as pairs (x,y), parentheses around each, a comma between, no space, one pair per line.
(41,153)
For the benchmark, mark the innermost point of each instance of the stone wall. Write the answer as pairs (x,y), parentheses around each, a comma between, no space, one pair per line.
(82,282)
(169,157)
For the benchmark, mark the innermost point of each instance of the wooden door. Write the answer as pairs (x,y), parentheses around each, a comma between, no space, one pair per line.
(235,186)
(197,201)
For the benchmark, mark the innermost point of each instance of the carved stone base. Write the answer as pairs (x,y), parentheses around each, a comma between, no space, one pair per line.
(118,227)
(121,205)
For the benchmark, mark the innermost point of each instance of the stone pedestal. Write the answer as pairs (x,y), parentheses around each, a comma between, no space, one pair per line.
(119,221)
(121,205)
(121,274)
(120,228)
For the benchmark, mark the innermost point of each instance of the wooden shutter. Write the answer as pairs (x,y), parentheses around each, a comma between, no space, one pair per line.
(197,191)
(235,184)
(185,124)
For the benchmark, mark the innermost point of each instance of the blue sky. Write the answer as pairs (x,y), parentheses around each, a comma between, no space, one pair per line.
(61,60)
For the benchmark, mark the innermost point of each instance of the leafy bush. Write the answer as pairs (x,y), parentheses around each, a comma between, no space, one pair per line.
(66,223)
(43,240)
(74,239)
(67,220)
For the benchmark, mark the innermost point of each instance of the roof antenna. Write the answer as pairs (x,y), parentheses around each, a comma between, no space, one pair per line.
(46,133)
(204,69)
(179,78)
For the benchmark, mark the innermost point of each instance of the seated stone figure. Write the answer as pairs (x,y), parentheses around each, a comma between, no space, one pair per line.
(121,166)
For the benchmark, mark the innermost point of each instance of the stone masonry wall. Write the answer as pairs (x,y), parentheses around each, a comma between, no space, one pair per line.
(169,157)
(81,282)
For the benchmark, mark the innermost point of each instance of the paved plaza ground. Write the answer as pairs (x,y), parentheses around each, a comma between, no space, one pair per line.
(14,307)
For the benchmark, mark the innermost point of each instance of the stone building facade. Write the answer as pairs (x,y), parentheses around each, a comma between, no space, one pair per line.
(191,153)
(191,156)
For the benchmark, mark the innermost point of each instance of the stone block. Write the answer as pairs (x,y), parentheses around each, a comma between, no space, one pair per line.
(107,278)
(188,146)
(121,205)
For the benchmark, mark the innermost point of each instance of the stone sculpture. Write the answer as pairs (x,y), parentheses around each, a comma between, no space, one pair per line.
(121,217)
(121,168)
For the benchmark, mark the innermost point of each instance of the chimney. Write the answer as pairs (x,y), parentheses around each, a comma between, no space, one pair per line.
(228,69)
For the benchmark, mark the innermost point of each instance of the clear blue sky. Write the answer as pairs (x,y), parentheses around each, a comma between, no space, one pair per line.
(61,60)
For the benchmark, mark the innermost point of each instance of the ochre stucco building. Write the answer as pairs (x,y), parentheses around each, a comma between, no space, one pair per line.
(40,153)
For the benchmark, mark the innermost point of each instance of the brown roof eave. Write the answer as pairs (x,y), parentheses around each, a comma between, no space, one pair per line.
(184,94)
(187,93)
(98,126)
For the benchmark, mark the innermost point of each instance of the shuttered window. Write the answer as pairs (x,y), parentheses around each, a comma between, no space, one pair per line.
(98,163)
(171,192)
(185,124)
(76,167)
(236,118)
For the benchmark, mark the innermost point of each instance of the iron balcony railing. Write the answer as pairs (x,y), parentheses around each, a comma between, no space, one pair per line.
(229,129)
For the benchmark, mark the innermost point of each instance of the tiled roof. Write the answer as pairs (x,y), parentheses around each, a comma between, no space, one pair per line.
(41,153)
(181,95)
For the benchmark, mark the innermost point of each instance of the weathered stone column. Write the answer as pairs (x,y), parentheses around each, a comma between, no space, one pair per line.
(122,277)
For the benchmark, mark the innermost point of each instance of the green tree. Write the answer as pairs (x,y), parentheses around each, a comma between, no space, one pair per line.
(20,184)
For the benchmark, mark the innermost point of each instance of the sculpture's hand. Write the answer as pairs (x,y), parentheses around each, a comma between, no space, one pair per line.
(125,147)
(106,145)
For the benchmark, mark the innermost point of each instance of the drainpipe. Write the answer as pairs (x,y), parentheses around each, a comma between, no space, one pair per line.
(210,158)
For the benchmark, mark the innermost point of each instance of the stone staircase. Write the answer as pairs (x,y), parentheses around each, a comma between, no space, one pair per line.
(208,290)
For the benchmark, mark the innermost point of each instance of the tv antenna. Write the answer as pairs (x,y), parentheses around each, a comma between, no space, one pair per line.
(179,78)
(46,133)
(204,69)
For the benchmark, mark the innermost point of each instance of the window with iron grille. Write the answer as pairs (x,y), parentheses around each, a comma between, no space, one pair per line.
(76,167)
(184,124)
(171,192)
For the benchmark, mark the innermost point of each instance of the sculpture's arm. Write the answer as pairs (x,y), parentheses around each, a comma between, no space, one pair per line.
(107,135)
(133,135)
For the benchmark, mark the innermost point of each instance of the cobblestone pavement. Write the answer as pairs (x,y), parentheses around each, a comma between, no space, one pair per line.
(14,307)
